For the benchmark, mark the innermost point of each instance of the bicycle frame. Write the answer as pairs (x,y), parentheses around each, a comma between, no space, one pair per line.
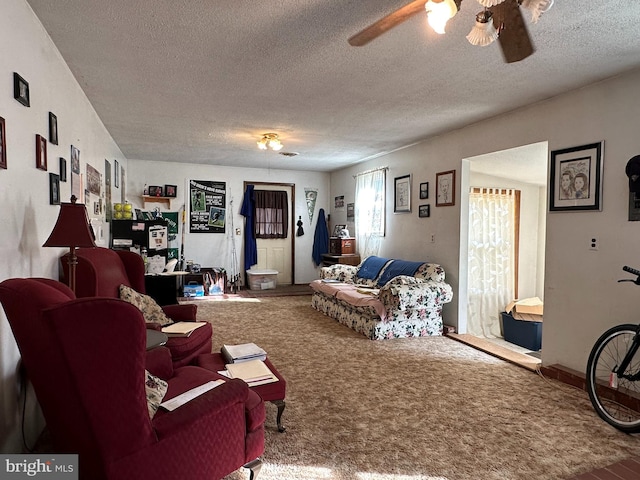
(619,370)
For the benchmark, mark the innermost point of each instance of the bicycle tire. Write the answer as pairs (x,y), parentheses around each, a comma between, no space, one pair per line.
(616,404)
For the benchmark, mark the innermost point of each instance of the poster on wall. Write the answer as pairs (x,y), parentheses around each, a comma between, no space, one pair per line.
(208,206)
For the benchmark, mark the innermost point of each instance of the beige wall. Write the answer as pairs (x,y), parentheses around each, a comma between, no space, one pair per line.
(581,295)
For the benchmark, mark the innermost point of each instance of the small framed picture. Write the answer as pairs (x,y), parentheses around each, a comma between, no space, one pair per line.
(3,144)
(54,189)
(170,191)
(402,194)
(41,152)
(53,128)
(446,188)
(155,191)
(424,211)
(576,178)
(63,170)
(337,229)
(21,90)
(75,160)
(116,173)
(424,190)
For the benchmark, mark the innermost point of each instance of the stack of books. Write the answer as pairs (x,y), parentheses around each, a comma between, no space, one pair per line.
(253,372)
(243,353)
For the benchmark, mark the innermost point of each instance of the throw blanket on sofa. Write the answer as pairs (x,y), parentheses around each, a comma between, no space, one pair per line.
(398,267)
(371,267)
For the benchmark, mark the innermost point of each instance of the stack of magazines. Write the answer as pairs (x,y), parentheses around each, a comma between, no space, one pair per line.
(243,353)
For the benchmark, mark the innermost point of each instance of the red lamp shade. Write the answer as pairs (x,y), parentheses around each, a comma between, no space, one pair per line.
(71,230)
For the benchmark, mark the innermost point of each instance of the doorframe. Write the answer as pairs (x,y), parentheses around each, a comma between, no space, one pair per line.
(292,186)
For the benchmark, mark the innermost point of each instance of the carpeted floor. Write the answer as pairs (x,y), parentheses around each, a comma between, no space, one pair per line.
(409,409)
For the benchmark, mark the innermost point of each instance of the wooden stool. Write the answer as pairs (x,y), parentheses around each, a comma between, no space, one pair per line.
(270,392)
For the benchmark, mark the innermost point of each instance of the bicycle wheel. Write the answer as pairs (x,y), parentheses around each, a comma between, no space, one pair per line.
(615,399)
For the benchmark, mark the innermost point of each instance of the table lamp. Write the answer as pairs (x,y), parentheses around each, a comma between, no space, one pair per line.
(71,230)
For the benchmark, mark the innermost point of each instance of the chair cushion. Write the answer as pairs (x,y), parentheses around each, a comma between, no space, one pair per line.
(156,389)
(151,311)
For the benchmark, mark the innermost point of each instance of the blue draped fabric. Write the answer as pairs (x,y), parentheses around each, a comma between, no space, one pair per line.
(250,248)
(371,267)
(398,267)
(320,238)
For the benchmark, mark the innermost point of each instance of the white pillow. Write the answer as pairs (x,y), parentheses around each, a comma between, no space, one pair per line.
(156,389)
(151,311)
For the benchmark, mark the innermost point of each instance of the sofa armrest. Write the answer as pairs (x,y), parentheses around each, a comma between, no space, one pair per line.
(403,293)
(181,313)
(430,271)
(339,271)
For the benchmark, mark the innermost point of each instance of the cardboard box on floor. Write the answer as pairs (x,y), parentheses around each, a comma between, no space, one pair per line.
(527,309)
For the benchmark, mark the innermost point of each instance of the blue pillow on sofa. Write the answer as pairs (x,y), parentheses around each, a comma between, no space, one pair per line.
(398,267)
(371,267)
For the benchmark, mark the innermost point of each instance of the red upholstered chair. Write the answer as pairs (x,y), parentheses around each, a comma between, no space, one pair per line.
(101,271)
(86,359)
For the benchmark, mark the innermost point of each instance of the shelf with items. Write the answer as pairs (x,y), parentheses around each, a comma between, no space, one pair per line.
(154,199)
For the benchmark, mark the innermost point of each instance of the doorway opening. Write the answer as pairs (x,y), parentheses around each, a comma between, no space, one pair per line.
(511,231)
(278,254)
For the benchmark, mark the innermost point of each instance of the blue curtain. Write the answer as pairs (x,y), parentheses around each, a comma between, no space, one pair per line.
(250,248)
(320,239)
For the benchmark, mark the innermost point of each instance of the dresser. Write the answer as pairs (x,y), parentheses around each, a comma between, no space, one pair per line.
(349,259)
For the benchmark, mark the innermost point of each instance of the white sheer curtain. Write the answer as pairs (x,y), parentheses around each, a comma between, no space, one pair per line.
(369,211)
(491,259)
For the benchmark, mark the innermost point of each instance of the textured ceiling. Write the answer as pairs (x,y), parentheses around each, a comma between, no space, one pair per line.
(199,80)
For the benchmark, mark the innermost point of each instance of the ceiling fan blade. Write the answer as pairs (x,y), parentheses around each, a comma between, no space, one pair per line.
(385,24)
(513,36)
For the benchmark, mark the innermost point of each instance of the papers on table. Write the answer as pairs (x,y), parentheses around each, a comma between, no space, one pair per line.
(183,398)
(254,372)
(243,353)
(181,329)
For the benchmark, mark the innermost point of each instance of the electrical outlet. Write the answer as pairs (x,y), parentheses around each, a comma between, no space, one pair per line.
(433,238)
(593,244)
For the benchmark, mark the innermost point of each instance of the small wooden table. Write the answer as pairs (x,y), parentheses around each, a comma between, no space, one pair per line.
(155,338)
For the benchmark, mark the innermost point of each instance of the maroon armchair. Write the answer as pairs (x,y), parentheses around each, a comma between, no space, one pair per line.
(101,271)
(86,359)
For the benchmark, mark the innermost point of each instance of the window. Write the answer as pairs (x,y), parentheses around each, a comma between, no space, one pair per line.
(271,214)
(369,211)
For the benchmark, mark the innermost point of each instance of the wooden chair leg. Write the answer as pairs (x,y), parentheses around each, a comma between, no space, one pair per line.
(281,406)
(254,468)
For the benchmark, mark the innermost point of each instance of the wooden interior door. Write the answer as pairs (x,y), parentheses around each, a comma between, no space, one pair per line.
(277,254)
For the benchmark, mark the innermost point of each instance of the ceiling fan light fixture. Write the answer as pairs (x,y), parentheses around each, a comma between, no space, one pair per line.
(483,32)
(270,140)
(439,13)
(537,8)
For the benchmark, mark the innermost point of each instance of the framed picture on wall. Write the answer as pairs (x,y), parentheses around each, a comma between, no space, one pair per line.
(446,188)
(402,194)
(63,170)
(3,144)
(41,152)
(54,189)
(53,128)
(21,90)
(576,178)
(170,191)
(424,211)
(424,190)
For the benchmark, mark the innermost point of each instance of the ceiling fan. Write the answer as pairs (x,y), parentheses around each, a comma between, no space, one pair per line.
(500,19)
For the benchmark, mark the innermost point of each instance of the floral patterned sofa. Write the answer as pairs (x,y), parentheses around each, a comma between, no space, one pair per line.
(384,298)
